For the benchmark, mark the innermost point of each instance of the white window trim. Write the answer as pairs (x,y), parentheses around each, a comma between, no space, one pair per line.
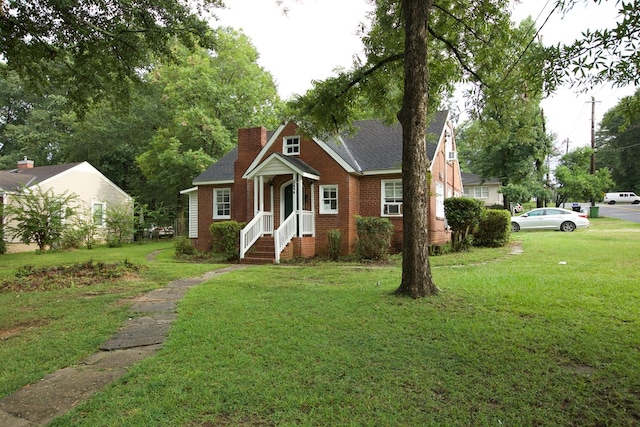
(439,200)
(323,208)
(481,189)
(295,147)
(104,214)
(215,203)
(383,198)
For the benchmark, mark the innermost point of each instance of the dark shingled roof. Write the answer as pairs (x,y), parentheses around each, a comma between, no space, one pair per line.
(473,179)
(11,180)
(222,170)
(374,146)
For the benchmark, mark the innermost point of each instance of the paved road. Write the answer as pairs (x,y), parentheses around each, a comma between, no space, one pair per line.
(619,210)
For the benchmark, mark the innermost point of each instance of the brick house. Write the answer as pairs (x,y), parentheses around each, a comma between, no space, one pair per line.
(291,189)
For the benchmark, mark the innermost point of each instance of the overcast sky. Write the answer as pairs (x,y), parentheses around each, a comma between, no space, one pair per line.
(317,36)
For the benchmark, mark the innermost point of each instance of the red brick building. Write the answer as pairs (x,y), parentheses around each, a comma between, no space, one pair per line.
(291,189)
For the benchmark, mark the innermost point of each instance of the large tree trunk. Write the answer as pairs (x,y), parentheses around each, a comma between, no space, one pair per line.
(416,271)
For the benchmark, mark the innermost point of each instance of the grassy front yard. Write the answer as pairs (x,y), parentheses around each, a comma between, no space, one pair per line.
(548,337)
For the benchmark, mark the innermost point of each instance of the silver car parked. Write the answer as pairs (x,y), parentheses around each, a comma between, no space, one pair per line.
(549,219)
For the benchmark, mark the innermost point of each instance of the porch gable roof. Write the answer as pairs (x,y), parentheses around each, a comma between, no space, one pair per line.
(277,163)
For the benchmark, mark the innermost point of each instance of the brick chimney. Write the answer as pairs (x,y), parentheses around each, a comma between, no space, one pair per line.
(250,142)
(25,164)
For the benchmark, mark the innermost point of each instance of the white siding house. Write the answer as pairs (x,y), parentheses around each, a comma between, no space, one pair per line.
(96,193)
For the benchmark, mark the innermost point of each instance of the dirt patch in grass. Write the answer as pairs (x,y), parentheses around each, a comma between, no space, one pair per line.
(30,279)
(17,329)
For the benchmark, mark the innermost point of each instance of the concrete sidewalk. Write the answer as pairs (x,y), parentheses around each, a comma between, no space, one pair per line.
(142,336)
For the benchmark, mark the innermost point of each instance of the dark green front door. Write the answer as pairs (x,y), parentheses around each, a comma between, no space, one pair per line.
(288,201)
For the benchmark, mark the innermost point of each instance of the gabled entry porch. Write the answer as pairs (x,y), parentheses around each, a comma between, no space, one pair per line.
(284,190)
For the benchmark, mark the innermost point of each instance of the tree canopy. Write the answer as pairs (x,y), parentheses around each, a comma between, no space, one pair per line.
(182,117)
(618,143)
(575,180)
(93,48)
(604,54)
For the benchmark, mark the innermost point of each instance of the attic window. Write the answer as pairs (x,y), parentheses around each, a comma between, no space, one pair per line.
(291,146)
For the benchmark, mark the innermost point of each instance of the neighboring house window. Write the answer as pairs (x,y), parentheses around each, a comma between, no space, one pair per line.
(439,200)
(98,213)
(481,192)
(328,199)
(467,192)
(392,198)
(291,145)
(222,203)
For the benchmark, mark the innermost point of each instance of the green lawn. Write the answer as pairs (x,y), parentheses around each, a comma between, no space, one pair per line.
(546,338)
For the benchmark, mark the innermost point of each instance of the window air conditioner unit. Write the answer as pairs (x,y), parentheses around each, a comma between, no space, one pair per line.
(452,155)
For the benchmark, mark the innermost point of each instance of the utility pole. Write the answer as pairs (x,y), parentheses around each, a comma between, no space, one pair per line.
(593,141)
(593,136)
(566,141)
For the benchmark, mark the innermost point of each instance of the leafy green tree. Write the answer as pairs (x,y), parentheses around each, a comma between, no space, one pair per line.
(574,178)
(617,143)
(94,48)
(204,99)
(508,139)
(415,52)
(606,54)
(36,215)
(15,105)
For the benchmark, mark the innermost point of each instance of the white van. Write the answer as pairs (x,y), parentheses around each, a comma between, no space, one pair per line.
(621,197)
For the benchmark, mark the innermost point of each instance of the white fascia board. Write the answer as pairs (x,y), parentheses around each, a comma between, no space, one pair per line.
(383,172)
(226,181)
(189,190)
(346,166)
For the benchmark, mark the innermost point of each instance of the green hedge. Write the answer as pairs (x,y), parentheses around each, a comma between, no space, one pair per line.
(494,229)
(374,237)
(463,216)
(226,238)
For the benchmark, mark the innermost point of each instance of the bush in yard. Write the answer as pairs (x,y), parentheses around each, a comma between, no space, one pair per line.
(184,247)
(374,237)
(39,216)
(226,238)
(463,216)
(494,229)
(119,223)
(335,242)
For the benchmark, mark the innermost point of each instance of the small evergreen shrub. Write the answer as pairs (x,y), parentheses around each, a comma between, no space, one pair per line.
(494,229)
(335,243)
(463,216)
(72,238)
(374,237)
(184,247)
(226,238)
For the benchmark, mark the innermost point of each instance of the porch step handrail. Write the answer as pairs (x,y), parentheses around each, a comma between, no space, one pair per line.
(260,225)
(284,234)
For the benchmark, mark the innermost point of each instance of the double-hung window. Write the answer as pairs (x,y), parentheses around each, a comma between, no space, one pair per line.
(291,146)
(392,197)
(328,199)
(481,192)
(98,212)
(222,203)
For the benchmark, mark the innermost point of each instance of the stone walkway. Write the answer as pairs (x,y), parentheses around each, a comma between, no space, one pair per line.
(142,336)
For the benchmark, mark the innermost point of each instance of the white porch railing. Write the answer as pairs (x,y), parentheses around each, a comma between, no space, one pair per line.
(284,234)
(260,225)
(308,223)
